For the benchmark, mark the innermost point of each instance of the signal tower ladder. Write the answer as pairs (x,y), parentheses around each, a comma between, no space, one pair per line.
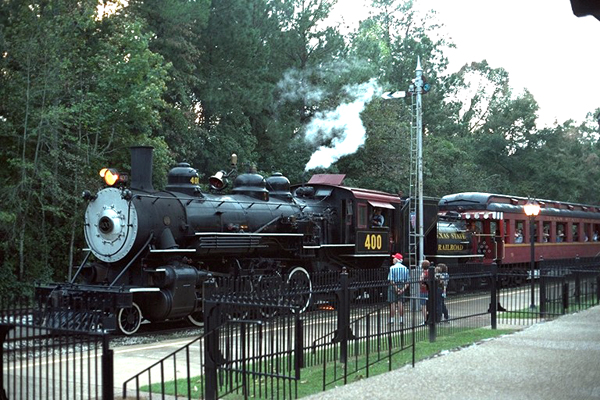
(412,234)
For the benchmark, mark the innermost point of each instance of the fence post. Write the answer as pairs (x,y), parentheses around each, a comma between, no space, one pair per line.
(108,370)
(211,322)
(577,292)
(244,361)
(4,329)
(597,289)
(494,296)
(298,346)
(542,278)
(431,304)
(565,296)
(343,324)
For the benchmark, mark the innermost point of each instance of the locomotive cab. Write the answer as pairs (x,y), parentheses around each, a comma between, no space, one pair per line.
(353,235)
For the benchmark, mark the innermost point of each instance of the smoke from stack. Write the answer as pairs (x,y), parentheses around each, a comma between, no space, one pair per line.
(342,129)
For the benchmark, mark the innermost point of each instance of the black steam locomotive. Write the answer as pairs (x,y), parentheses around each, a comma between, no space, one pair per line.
(153,249)
(150,251)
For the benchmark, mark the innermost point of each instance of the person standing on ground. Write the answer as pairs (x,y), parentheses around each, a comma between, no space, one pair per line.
(438,293)
(444,279)
(424,287)
(398,279)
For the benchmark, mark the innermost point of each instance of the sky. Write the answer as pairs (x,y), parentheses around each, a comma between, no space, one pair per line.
(541,43)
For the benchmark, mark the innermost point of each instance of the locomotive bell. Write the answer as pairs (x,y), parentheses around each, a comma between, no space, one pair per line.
(218,181)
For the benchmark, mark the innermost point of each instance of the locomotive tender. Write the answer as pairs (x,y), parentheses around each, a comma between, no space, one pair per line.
(159,246)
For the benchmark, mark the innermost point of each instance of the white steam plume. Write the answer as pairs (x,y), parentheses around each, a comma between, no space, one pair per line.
(342,126)
(295,85)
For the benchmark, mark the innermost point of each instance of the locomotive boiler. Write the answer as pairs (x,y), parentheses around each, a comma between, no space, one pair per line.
(153,249)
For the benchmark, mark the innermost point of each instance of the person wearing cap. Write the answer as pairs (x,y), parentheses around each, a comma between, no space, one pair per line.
(398,278)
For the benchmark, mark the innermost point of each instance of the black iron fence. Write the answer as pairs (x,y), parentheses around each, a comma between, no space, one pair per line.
(49,352)
(258,344)
(252,348)
(265,334)
(557,288)
(180,374)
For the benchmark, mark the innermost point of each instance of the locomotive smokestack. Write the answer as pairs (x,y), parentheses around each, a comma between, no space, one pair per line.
(141,167)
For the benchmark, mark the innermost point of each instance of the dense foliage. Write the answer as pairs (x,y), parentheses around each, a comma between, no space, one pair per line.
(270,80)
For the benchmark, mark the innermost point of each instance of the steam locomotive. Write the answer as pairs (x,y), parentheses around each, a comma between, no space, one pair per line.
(153,249)
(150,251)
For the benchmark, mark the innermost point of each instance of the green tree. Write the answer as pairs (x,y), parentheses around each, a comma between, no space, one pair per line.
(79,90)
(235,76)
(390,41)
(175,30)
(250,47)
(487,126)
(313,72)
(562,164)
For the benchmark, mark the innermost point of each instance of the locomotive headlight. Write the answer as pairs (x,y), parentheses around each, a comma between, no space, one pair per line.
(111,176)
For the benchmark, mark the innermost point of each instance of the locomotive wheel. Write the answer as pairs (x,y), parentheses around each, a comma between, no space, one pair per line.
(299,288)
(269,288)
(196,319)
(505,280)
(129,319)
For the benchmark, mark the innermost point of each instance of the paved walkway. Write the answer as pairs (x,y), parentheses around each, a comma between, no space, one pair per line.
(558,359)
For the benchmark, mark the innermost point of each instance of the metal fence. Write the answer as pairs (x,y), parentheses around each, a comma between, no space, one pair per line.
(557,288)
(264,334)
(257,344)
(49,352)
(179,375)
(252,347)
